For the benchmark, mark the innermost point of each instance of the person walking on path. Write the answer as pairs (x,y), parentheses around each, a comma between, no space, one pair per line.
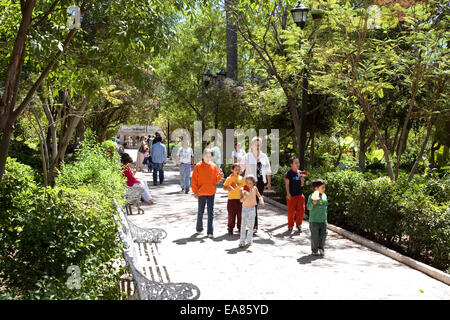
(317,206)
(249,194)
(295,199)
(257,163)
(132,181)
(204,179)
(216,155)
(233,184)
(140,155)
(185,158)
(159,158)
(238,154)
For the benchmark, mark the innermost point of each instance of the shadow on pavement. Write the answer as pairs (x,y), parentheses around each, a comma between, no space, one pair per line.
(226,237)
(308,259)
(236,250)
(264,241)
(275,228)
(192,238)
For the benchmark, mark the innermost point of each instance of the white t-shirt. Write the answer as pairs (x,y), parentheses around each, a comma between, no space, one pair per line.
(184,155)
(249,164)
(239,155)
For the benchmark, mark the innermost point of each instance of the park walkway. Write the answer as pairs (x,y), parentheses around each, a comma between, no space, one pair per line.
(279,264)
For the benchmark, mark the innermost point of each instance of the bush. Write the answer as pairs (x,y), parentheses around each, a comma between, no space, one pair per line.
(17,185)
(428,232)
(95,171)
(45,230)
(340,189)
(109,147)
(375,208)
(411,217)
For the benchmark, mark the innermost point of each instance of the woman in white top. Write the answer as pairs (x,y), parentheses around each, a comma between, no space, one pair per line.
(257,163)
(140,154)
(237,153)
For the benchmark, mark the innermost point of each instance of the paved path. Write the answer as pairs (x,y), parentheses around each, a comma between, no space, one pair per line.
(279,264)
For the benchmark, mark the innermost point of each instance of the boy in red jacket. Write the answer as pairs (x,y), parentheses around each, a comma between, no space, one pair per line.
(204,179)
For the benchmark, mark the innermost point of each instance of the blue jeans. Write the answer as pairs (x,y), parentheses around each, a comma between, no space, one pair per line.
(158,167)
(185,176)
(202,201)
(150,166)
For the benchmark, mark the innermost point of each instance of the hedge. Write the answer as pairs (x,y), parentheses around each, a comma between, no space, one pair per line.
(45,230)
(413,218)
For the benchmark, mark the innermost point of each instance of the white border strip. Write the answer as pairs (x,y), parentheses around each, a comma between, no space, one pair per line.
(430,271)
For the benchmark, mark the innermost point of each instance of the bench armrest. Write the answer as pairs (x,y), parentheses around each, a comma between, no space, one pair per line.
(146,235)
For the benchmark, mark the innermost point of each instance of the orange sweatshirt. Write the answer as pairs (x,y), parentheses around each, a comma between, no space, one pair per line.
(204,179)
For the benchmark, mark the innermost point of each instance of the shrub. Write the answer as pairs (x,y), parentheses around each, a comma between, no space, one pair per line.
(109,147)
(94,170)
(375,208)
(17,185)
(44,230)
(427,230)
(340,189)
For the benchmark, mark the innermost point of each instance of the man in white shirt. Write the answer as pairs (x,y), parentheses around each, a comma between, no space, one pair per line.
(185,158)
(257,163)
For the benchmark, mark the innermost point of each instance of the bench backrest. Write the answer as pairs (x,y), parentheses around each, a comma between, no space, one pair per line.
(125,235)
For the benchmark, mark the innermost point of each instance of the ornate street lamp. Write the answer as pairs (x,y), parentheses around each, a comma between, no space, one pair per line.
(300,14)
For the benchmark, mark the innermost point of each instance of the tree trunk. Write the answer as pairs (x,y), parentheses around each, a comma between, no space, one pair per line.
(312,136)
(432,153)
(422,150)
(292,103)
(232,45)
(363,144)
(4,147)
(369,115)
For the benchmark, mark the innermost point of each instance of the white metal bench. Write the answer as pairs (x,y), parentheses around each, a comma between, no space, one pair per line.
(133,197)
(138,234)
(150,278)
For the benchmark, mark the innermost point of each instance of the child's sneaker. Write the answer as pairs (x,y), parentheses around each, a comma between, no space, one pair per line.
(299,228)
(210,236)
(249,244)
(241,245)
(314,253)
(290,229)
(321,252)
(230,232)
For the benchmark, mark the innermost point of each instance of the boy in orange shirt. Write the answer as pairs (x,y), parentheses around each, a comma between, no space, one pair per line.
(233,185)
(204,179)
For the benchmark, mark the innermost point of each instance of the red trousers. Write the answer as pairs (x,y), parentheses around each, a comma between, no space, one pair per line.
(296,207)
(234,208)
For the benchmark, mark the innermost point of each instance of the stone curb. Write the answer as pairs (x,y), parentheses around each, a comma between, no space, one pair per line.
(430,271)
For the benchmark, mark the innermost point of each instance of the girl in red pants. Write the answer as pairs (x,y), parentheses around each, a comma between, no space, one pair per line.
(295,199)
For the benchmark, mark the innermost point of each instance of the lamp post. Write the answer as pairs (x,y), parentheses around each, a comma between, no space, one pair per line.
(300,17)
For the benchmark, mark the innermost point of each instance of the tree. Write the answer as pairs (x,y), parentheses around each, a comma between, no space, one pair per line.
(9,111)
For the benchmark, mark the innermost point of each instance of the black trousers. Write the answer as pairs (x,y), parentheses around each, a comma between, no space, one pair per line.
(260,185)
